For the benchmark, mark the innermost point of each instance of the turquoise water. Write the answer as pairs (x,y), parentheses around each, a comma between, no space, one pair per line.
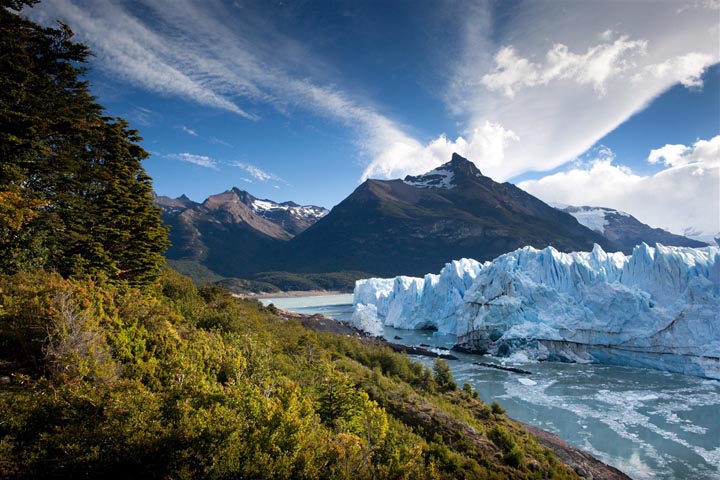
(649,424)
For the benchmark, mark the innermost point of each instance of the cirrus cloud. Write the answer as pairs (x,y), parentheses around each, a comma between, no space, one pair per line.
(200,160)
(256,172)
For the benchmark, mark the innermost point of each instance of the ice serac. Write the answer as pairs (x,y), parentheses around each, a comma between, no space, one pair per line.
(407,302)
(658,307)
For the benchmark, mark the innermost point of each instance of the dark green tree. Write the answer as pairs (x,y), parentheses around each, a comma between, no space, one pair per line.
(75,197)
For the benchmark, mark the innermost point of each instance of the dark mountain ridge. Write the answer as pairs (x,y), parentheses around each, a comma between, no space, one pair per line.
(416,225)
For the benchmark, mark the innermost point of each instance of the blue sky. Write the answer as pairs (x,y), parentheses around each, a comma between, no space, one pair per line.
(302,100)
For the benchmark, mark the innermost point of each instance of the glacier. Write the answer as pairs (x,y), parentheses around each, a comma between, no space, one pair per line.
(657,308)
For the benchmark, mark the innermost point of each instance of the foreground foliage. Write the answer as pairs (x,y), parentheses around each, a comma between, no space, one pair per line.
(176,382)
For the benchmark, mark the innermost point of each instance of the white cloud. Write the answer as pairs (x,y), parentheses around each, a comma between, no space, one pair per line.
(257,173)
(671,155)
(485,147)
(563,74)
(200,160)
(557,77)
(685,69)
(685,195)
(189,131)
(595,67)
(702,153)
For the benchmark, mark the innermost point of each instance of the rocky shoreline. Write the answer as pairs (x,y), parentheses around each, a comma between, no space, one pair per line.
(584,464)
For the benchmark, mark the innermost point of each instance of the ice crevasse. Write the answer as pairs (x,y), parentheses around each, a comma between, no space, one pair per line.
(658,307)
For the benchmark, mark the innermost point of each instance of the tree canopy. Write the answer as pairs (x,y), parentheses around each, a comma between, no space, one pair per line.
(74,196)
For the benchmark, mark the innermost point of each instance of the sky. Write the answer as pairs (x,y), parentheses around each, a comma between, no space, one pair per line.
(606,103)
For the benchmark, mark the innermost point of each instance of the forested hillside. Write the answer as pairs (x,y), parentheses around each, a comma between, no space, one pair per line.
(112,365)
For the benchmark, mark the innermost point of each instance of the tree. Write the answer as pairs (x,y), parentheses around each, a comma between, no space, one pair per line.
(79,200)
(443,376)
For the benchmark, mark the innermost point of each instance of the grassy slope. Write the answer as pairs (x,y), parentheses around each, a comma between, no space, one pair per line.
(173,382)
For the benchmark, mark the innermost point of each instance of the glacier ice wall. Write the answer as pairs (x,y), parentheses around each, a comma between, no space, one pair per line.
(658,308)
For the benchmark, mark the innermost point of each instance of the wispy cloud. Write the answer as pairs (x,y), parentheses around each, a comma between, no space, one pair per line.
(257,173)
(141,115)
(218,141)
(189,131)
(200,160)
(205,161)
(193,50)
(128,48)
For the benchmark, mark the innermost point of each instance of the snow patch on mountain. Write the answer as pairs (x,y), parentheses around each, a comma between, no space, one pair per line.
(594,218)
(308,211)
(441,177)
(658,307)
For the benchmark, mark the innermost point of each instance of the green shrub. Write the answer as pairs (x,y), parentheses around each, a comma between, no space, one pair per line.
(497,409)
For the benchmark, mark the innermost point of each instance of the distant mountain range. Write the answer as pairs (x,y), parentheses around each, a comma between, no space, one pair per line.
(389,227)
(233,233)
(624,229)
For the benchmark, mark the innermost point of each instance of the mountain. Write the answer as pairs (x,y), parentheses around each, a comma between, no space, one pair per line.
(418,224)
(232,233)
(624,229)
(656,308)
(390,227)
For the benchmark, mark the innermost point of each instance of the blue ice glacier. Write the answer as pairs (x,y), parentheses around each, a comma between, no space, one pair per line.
(657,308)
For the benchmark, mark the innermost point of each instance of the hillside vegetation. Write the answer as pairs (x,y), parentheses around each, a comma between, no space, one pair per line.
(175,382)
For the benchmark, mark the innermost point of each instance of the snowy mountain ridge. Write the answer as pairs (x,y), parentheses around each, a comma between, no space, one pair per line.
(624,229)
(595,218)
(655,308)
(262,207)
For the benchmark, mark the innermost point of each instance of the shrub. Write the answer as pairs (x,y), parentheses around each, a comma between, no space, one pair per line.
(497,409)
(443,376)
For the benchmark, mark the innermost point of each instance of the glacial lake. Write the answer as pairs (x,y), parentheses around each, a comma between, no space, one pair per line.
(647,423)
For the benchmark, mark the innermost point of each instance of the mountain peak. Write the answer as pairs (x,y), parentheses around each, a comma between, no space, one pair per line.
(238,191)
(446,175)
(460,164)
